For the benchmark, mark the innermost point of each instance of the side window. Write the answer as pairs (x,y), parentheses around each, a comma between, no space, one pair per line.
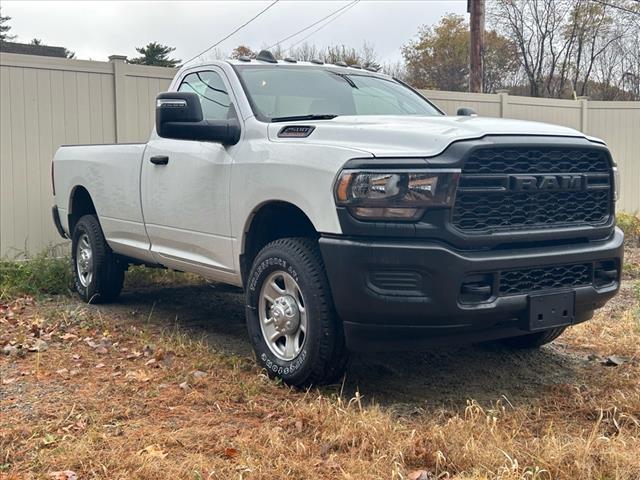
(212,92)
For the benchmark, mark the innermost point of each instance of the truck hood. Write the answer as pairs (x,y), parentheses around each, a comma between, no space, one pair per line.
(392,136)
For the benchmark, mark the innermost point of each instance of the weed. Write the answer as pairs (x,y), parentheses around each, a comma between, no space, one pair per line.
(630,225)
(45,273)
(141,276)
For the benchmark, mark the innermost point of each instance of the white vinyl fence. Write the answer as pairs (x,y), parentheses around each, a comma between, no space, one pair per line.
(46,102)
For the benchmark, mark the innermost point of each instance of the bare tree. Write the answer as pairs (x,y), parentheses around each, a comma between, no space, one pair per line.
(564,44)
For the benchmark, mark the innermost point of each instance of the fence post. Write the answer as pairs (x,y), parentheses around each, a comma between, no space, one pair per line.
(504,102)
(584,109)
(118,62)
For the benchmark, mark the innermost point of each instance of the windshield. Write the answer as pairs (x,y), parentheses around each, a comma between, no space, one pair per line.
(279,92)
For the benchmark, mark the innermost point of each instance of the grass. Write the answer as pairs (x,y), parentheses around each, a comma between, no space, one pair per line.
(49,273)
(45,273)
(135,409)
(630,225)
(141,276)
(114,396)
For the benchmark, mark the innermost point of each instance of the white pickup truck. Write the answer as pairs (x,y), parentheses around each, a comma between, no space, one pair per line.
(353,212)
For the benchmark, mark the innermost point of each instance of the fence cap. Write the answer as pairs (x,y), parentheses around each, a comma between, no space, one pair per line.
(115,58)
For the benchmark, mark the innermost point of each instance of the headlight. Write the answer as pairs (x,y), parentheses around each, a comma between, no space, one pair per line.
(616,184)
(395,194)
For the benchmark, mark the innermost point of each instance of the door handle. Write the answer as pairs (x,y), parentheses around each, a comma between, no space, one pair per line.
(159,160)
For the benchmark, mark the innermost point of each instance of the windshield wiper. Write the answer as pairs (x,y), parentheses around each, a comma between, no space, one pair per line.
(346,79)
(313,116)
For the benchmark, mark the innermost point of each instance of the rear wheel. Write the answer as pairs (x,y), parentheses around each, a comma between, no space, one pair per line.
(98,275)
(533,340)
(292,323)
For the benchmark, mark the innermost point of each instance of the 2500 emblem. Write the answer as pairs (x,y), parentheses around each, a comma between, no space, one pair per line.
(520,183)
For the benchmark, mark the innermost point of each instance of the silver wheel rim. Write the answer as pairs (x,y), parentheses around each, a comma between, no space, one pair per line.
(283,317)
(84,260)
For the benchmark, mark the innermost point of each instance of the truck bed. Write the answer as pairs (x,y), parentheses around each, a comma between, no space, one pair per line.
(111,175)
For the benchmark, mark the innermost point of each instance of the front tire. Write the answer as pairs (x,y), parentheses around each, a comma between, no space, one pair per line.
(533,340)
(292,323)
(98,275)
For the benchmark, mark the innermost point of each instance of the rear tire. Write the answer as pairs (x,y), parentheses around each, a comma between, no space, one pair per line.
(533,340)
(98,275)
(294,329)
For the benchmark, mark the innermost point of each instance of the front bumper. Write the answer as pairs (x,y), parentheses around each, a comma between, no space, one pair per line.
(401,295)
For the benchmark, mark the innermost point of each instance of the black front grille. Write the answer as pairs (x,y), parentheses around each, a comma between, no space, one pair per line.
(497,211)
(490,200)
(513,282)
(541,160)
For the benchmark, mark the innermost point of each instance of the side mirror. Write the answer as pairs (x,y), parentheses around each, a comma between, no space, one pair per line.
(179,116)
(466,112)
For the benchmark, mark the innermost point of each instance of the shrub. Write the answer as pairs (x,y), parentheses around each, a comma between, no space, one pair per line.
(43,274)
(630,225)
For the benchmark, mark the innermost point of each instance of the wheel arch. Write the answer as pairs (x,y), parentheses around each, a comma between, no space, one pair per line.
(80,203)
(264,226)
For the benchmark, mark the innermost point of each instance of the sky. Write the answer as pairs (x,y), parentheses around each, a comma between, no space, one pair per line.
(96,29)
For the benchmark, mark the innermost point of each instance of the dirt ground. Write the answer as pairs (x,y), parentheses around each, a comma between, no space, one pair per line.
(86,402)
(438,377)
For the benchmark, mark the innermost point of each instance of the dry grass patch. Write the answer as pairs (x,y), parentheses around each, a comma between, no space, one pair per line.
(119,400)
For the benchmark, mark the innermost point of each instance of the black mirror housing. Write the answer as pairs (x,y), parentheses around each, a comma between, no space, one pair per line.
(466,112)
(179,116)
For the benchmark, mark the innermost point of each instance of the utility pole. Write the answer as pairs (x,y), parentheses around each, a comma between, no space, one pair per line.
(476,45)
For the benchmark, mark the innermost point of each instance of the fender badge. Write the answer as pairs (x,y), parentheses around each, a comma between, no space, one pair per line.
(295,131)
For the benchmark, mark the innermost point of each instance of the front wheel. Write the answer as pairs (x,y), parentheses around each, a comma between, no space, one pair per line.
(97,273)
(292,323)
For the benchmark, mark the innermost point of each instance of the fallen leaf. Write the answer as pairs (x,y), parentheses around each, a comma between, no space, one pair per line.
(140,376)
(64,475)
(8,381)
(100,365)
(614,361)
(153,451)
(10,350)
(184,386)
(419,475)
(331,463)
(49,439)
(231,452)
(148,350)
(39,346)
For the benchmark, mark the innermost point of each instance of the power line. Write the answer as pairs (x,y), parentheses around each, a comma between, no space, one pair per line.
(314,23)
(616,6)
(234,32)
(353,4)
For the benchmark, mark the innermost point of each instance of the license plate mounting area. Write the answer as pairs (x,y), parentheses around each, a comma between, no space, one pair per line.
(550,310)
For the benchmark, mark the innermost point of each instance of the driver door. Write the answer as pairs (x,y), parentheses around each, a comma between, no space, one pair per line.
(185,189)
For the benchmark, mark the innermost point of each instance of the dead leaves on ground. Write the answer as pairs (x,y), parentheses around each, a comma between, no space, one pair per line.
(63,475)
(153,451)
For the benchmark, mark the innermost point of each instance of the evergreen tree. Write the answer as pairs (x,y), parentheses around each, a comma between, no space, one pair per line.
(155,54)
(4,29)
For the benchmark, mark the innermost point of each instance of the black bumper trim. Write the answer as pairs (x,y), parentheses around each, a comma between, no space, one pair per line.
(376,321)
